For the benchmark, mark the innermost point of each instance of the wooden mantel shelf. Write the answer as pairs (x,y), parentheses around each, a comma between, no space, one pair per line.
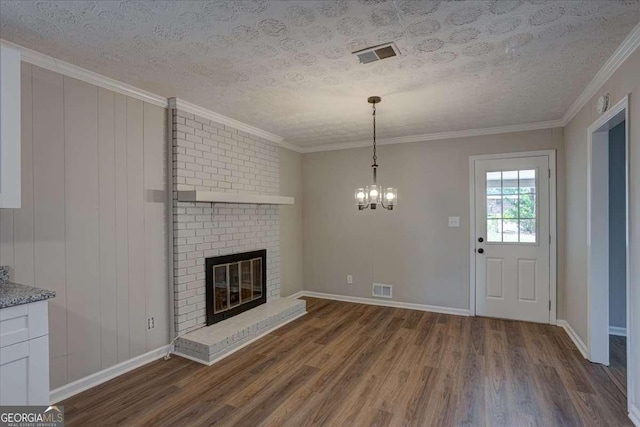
(217,197)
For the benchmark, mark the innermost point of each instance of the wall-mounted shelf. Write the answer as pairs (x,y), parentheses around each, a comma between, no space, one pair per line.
(217,197)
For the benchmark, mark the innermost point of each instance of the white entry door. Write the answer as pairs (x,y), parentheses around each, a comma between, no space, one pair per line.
(512,242)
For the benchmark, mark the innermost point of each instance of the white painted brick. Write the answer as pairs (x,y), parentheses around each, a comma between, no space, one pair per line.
(210,156)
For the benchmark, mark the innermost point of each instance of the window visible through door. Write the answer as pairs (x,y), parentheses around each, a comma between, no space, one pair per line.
(511,206)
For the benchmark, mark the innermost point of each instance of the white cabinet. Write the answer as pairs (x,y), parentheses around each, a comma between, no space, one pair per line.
(10,92)
(24,355)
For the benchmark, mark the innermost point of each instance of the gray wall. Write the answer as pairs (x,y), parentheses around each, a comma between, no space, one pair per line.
(92,221)
(617,228)
(412,247)
(625,81)
(291,223)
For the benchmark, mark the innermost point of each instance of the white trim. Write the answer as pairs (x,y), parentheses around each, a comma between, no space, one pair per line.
(243,345)
(53,64)
(93,380)
(553,229)
(296,295)
(371,301)
(634,414)
(438,136)
(553,226)
(574,337)
(628,46)
(617,331)
(188,107)
(598,305)
(600,352)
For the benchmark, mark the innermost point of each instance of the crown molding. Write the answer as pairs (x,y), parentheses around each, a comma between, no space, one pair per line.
(628,46)
(53,64)
(188,107)
(438,136)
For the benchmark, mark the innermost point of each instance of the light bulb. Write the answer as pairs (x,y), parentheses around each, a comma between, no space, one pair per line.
(373,193)
(360,195)
(390,196)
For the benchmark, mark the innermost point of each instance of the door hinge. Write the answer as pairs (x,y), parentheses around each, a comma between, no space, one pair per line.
(549,172)
(549,238)
(549,305)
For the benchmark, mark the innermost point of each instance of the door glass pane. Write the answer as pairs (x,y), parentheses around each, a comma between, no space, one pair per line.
(494,206)
(527,181)
(528,230)
(511,206)
(527,208)
(510,182)
(510,230)
(494,230)
(494,183)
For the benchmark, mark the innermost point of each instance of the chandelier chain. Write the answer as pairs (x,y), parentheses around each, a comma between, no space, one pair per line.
(375,156)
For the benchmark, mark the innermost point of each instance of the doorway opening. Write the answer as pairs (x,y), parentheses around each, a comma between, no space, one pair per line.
(608,242)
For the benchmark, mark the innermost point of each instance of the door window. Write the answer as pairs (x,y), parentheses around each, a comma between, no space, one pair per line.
(511,206)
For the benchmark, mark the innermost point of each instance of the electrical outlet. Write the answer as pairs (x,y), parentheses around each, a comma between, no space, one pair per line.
(349,279)
(151,323)
(454,221)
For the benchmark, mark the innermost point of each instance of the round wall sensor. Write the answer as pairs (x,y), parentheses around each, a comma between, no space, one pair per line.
(603,103)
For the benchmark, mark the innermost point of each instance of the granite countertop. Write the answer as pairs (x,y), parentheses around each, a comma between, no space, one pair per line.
(15,294)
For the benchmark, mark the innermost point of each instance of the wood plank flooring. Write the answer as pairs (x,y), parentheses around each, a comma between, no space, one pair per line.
(358,365)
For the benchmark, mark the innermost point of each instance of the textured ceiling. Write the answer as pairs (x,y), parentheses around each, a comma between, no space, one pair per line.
(286,67)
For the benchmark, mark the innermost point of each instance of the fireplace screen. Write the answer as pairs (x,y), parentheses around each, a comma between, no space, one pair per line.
(235,283)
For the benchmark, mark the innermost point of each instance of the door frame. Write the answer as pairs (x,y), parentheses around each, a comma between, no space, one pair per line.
(553,228)
(598,239)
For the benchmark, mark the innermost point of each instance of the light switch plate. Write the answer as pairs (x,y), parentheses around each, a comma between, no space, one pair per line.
(454,221)
(349,279)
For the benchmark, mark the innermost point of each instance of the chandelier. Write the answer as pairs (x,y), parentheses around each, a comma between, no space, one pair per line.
(373,195)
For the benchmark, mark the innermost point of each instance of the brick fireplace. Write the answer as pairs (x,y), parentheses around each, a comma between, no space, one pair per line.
(211,156)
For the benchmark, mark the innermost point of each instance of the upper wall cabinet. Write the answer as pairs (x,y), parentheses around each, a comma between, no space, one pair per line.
(9,127)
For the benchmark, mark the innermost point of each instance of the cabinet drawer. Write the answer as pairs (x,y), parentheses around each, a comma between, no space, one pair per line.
(23,322)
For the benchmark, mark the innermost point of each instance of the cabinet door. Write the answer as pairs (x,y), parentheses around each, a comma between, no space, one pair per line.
(24,373)
(10,125)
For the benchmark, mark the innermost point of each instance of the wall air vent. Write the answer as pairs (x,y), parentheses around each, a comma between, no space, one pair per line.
(377,53)
(381,290)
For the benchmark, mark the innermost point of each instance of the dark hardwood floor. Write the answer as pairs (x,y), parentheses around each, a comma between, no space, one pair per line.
(359,365)
(618,361)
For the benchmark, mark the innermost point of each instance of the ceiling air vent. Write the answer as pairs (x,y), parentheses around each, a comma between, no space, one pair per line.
(377,53)
(382,291)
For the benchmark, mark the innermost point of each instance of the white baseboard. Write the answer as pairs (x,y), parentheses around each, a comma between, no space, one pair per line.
(105,375)
(230,352)
(296,295)
(634,414)
(384,303)
(618,331)
(574,337)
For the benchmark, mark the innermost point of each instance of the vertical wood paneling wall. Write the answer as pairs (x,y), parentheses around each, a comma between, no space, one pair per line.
(92,225)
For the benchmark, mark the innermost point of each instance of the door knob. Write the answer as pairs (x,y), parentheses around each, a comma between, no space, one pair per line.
(480,239)
(480,251)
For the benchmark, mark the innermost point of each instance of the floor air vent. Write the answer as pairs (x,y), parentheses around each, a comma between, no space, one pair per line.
(382,291)
(377,53)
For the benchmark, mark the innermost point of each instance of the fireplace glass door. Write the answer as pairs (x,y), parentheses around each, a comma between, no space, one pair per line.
(237,283)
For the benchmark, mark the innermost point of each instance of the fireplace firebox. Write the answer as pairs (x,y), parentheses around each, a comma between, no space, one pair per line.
(234,284)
